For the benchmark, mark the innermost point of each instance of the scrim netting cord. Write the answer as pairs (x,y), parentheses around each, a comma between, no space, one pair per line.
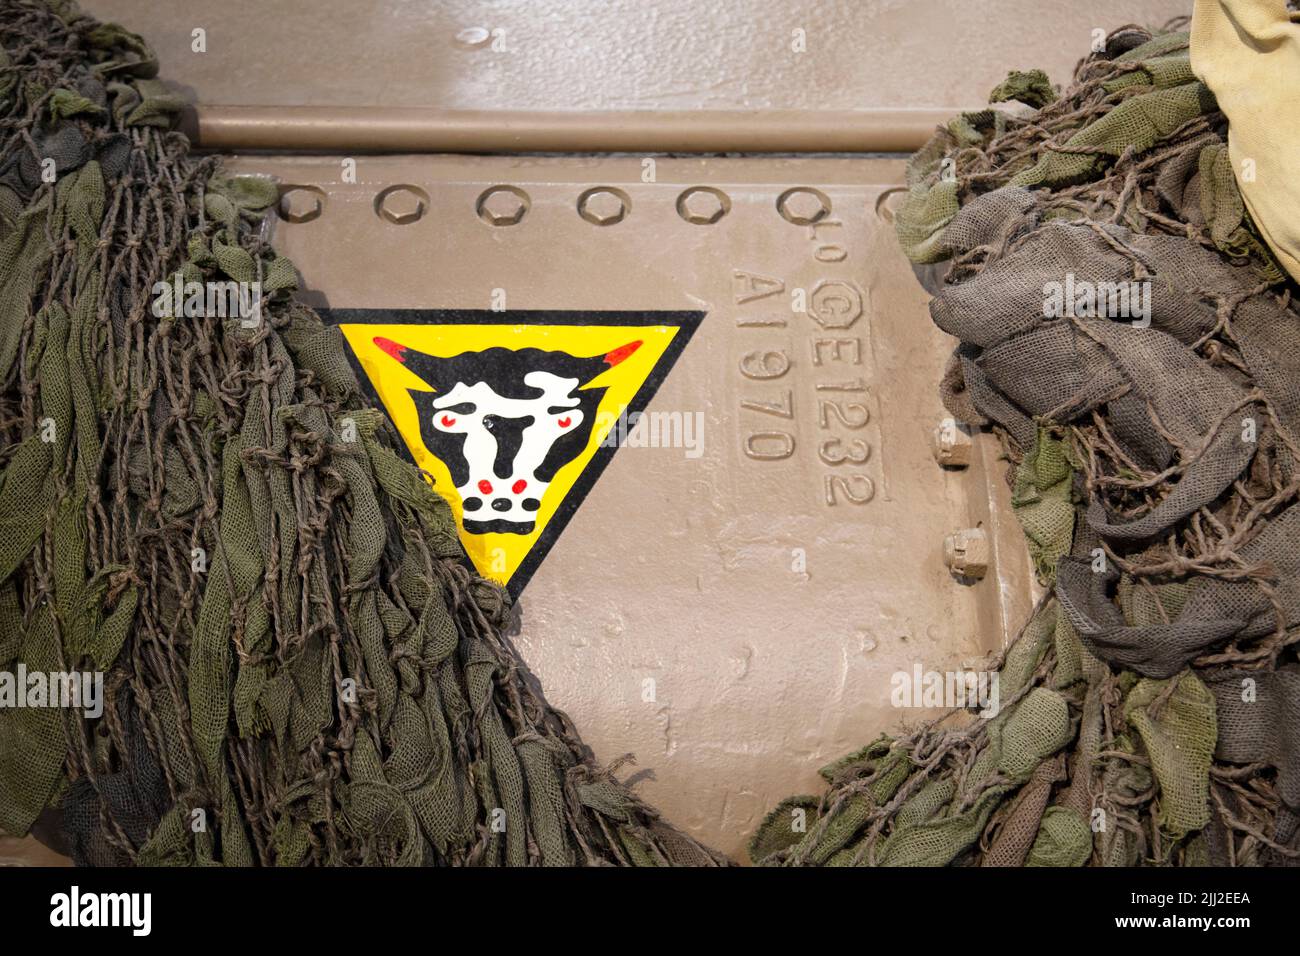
(299,667)
(1150,710)
(296,655)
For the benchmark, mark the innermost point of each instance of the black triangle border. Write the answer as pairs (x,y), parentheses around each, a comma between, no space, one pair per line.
(687,322)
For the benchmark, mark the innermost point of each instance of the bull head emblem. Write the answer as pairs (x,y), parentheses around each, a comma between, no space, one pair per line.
(504,421)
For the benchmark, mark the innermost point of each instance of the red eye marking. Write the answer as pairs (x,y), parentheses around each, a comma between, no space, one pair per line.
(392,348)
(565,422)
(614,356)
(485,486)
(448,421)
(519,486)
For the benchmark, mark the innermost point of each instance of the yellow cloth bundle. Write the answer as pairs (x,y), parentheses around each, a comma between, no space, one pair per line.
(1248,53)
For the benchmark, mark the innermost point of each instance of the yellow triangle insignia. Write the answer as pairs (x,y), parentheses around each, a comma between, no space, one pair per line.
(513,415)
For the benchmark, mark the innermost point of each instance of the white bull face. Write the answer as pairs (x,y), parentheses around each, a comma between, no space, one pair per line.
(504,422)
(505,442)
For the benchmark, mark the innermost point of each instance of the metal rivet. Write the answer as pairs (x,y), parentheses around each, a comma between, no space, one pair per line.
(951,444)
(402,204)
(703,205)
(502,205)
(966,553)
(803,205)
(300,203)
(604,205)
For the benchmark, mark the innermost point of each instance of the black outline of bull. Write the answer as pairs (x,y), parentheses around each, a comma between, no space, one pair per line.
(503,370)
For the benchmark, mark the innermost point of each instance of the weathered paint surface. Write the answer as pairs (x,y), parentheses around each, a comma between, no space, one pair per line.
(618,54)
(733,615)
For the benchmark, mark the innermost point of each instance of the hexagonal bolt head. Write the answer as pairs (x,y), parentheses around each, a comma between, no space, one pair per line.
(951,444)
(503,205)
(703,205)
(803,205)
(301,203)
(603,205)
(966,553)
(402,204)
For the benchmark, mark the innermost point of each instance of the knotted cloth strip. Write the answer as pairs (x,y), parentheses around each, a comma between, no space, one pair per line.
(299,669)
(1125,329)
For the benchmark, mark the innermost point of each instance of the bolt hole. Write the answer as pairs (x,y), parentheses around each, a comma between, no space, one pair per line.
(290,207)
(390,204)
(604,205)
(703,205)
(803,205)
(502,205)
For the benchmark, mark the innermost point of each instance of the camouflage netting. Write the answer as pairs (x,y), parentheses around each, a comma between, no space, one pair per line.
(297,659)
(299,668)
(1150,709)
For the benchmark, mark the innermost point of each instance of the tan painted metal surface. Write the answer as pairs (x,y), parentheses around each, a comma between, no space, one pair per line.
(718,616)
(785,75)
(28,851)
(734,619)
